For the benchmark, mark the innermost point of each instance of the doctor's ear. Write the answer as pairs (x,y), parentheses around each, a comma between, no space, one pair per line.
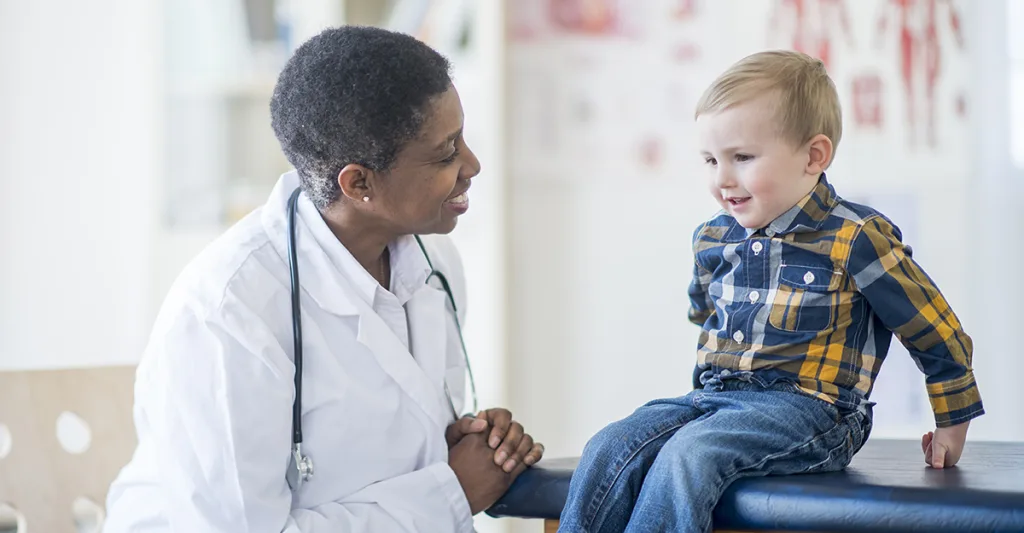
(356,182)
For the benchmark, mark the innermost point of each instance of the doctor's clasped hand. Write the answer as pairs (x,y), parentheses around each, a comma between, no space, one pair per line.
(471,444)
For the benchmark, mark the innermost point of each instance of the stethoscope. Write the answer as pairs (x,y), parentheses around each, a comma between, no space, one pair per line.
(301,469)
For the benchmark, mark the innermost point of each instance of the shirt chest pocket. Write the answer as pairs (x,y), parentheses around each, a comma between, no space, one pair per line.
(805,299)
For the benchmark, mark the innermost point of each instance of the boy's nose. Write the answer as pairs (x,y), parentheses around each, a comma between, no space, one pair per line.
(724,178)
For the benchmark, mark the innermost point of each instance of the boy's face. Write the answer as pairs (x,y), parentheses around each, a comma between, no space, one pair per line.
(755,174)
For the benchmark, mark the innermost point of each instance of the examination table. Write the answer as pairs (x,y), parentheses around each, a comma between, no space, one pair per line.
(887,487)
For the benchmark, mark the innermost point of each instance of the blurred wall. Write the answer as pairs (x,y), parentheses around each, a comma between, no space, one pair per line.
(80,125)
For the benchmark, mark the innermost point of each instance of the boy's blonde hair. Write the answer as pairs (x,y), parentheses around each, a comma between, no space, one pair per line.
(807,101)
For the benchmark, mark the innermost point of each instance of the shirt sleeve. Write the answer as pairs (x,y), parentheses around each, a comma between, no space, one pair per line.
(910,305)
(702,307)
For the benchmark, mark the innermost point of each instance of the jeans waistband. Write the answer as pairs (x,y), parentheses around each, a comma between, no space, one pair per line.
(723,379)
(741,380)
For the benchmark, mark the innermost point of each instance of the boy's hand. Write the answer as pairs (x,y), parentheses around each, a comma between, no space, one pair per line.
(942,448)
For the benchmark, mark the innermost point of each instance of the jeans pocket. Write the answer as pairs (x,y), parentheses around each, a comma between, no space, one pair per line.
(860,427)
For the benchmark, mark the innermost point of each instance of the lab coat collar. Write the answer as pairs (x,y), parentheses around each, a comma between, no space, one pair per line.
(318,274)
(325,278)
(409,268)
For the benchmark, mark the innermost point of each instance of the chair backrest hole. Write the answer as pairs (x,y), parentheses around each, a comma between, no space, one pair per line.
(73,433)
(88,515)
(11,516)
(6,441)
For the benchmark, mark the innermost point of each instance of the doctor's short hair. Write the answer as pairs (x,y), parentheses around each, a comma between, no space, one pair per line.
(349,95)
(807,101)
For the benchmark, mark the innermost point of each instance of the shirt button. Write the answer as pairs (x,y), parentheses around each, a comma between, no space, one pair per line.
(738,336)
(754,297)
(770,233)
(757,247)
(809,277)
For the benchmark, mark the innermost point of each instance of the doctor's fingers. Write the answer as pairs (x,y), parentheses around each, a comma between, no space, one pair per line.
(500,420)
(534,454)
(527,454)
(462,427)
(519,469)
(519,457)
(510,444)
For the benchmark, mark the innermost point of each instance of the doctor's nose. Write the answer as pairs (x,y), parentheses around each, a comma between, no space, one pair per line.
(471,167)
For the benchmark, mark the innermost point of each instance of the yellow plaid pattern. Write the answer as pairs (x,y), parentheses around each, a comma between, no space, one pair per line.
(815,298)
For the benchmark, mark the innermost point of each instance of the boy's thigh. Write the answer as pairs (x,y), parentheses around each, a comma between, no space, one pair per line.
(758,433)
(652,421)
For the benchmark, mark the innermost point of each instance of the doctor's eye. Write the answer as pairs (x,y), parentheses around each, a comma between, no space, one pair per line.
(451,158)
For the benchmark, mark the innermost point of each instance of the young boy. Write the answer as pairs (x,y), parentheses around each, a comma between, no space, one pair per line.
(798,293)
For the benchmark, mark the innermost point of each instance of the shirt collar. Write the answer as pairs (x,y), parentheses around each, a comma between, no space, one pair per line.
(807,215)
(409,268)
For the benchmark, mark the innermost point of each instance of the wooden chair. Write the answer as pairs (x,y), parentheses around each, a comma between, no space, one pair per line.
(46,487)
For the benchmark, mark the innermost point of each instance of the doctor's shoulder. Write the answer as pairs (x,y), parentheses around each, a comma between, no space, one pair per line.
(240,263)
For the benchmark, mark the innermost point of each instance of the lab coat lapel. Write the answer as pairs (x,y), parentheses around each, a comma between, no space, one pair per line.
(334,293)
(396,360)
(428,336)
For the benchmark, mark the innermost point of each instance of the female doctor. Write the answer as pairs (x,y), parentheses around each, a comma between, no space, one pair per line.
(373,126)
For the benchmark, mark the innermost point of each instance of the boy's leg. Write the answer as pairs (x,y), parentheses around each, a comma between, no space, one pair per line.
(746,433)
(613,465)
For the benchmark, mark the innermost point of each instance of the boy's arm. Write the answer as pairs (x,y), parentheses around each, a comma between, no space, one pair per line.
(910,305)
(701,304)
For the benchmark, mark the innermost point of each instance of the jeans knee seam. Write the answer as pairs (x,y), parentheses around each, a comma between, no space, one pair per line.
(605,490)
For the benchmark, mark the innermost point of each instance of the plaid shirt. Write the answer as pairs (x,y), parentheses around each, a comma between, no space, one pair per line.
(814,299)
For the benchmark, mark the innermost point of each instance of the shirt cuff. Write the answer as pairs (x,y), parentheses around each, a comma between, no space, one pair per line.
(955,401)
(457,502)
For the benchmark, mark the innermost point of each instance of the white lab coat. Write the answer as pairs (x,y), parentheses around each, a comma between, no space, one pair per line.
(214,391)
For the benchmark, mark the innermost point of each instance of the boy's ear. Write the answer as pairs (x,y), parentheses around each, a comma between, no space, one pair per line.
(820,154)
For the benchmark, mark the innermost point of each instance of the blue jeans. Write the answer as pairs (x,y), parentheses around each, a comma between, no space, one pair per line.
(664,467)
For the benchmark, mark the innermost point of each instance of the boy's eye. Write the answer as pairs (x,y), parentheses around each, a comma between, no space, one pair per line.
(743,157)
(710,161)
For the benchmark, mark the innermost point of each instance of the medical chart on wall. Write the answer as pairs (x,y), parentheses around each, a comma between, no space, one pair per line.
(929,37)
(604,87)
(600,87)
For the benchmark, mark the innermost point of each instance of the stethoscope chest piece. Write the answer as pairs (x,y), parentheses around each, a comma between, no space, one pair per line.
(301,469)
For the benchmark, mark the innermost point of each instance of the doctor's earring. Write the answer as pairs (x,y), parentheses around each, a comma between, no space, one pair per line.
(366,198)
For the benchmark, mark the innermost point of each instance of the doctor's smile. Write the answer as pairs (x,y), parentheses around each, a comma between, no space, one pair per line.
(459,203)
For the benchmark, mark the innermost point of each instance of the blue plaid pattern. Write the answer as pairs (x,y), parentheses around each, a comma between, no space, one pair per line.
(814,299)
